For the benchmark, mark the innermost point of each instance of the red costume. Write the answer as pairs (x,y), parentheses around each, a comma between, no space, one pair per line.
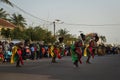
(19,52)
(78,50)
(90,51)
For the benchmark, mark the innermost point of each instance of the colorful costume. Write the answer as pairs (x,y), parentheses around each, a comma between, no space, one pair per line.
(51,51)
(55,52)
(90,51)
(74,55)
(78,50)
(14,56)
(1,55)
(19,58)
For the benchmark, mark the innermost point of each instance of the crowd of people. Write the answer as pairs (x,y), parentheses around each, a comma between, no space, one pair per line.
(16,53)
(10,52)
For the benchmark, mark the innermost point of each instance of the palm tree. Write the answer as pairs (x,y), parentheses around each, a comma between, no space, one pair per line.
(103,39)
(3,14)
(62,32)
(7,2)
(18,20)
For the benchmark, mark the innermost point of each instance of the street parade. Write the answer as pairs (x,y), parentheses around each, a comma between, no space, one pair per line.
(59,39)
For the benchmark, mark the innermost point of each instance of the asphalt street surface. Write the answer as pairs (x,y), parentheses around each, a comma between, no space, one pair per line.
(101,68)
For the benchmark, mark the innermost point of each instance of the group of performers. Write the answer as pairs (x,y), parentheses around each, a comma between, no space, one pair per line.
(77,50)
(17,51)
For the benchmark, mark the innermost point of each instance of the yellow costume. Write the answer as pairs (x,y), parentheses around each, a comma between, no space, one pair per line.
(85,50)
(51,50)
(14,50)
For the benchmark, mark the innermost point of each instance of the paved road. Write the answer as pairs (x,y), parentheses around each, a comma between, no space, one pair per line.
(102,68)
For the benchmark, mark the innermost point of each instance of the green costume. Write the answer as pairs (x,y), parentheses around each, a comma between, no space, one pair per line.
(73,53)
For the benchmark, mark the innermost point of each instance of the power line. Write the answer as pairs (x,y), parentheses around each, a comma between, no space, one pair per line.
(72,24)
(92,24)
(29,13)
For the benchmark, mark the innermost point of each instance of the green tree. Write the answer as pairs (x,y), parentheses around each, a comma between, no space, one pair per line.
(49,38)
(16,34)
(66,36)
(103,39)
(3,14)
(62,32)
(3,32)
(7,2)
(28,33)
(39,34)
(6,32)
(18,20)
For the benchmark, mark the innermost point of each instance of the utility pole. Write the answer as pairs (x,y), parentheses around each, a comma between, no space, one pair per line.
(54,27)
(54,24)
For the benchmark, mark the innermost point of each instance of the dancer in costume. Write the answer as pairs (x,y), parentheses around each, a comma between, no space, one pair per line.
(52,53)
(90,51)
(14,51)
(80,46)
(55,53)
(74,55)
(1,55)
(78,50)
(17,54)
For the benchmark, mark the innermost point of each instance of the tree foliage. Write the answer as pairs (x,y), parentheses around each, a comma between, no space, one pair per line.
(63,34)
(33,34)
(6,32)
(7,2)
(18,20)
(3,13)
(103,39)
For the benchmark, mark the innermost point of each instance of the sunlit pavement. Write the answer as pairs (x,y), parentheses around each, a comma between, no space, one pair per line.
(101,68)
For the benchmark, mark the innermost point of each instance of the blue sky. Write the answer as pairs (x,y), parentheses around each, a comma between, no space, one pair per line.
(90,12)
